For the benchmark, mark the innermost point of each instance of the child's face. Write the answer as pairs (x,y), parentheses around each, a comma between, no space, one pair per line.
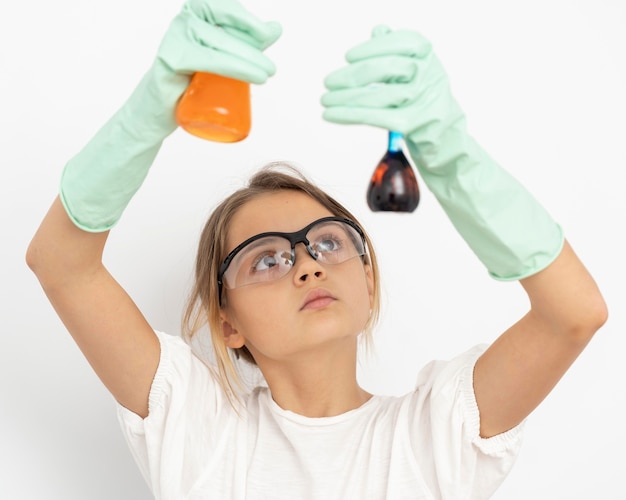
(277,320)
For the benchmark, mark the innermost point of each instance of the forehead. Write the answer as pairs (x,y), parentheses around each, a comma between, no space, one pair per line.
(283,211)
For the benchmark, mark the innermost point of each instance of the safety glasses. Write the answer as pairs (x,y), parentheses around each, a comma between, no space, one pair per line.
(270,256)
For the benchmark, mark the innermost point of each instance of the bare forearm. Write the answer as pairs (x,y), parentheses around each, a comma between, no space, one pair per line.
(60,252)
(565,298)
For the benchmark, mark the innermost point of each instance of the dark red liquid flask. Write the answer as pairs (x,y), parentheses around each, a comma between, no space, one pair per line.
(393,187)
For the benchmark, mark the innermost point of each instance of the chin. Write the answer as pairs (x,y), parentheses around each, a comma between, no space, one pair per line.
(334,330)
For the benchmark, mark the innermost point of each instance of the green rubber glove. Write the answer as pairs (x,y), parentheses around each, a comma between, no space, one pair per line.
(213,36)
(395,81)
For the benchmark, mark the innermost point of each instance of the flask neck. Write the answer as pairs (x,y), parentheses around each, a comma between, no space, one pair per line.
(395,142)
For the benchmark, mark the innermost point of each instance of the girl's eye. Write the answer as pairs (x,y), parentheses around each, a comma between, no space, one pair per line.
(328,244)
(264,262)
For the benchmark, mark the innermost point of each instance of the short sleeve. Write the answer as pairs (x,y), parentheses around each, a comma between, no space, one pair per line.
(461,464)
(184,399)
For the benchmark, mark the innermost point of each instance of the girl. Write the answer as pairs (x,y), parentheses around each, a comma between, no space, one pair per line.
(287,279)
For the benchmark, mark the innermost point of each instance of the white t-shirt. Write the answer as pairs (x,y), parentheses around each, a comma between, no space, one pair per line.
(424,445)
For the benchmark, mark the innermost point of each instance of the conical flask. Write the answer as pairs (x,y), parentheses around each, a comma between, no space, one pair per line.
(216,108)
(393,187)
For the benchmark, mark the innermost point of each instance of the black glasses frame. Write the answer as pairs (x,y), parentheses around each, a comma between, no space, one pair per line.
(293,238)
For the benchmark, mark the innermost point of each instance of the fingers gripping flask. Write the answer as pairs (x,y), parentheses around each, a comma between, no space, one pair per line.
(393,187)
(216,108)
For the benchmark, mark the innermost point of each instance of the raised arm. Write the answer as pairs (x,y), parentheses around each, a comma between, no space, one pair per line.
(395,81)
(213,36)
(524,364)
(103,320)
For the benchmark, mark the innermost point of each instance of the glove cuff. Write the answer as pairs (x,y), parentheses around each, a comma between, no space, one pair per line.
(98,183)
(504,225)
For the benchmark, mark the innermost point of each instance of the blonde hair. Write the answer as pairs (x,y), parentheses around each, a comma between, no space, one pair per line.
(203,306)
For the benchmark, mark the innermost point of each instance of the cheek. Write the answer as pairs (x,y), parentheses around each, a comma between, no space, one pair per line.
(362,297)
(255,310)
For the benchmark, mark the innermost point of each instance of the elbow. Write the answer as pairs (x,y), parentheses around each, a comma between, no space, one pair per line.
(599,315)
(33,257)
(38,264)
(40,260)
(589,320)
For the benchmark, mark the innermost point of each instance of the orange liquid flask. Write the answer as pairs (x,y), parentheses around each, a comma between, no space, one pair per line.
(216,108)
(393,187)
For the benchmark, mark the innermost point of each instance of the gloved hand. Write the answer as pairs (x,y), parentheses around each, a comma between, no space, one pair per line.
(395,81)
(213,36)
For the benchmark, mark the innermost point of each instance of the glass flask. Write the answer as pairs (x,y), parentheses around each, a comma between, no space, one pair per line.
(393,187)
(216,108)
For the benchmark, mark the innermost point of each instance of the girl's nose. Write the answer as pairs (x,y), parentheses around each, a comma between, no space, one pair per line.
(306,265)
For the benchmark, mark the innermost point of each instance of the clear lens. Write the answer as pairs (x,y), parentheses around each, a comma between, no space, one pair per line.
(265,259)
(335,242)
(269,258)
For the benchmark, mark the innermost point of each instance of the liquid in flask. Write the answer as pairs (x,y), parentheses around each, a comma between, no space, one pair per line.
(393,187)
(216,108)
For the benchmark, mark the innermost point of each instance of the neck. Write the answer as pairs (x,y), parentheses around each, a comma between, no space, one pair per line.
(319,383)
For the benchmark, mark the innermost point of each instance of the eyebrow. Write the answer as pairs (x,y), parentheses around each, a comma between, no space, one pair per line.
(257,243)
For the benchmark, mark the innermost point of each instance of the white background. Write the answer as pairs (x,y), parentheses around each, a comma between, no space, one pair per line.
(543,85)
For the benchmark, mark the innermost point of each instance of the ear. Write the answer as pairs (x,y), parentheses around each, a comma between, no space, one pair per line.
(232,338)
